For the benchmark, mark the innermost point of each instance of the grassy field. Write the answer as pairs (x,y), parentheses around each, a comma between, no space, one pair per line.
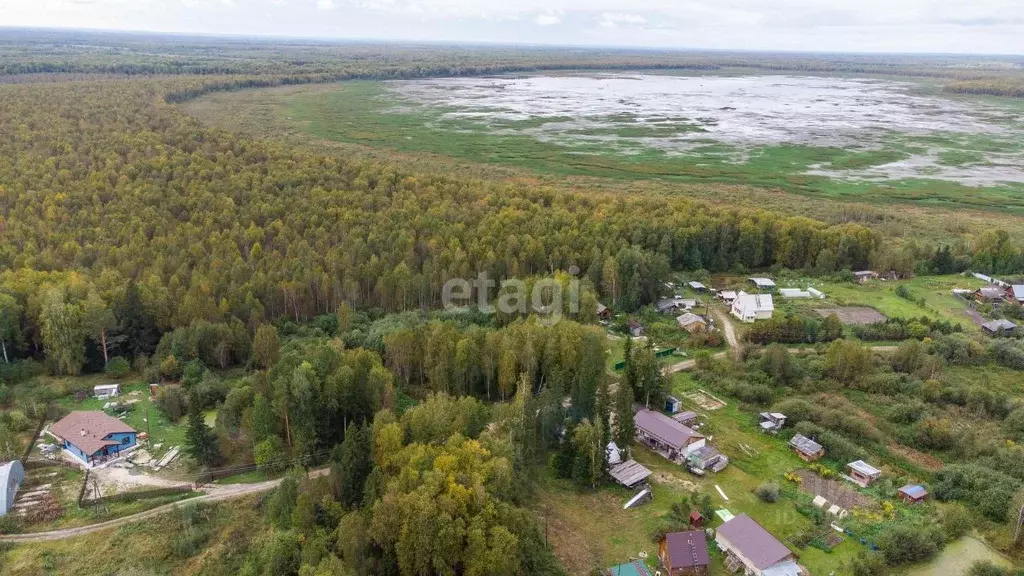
(367,113)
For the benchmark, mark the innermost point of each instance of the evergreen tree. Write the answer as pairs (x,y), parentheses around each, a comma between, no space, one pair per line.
(352,465)
(200,440)
(625,430)
(135,324)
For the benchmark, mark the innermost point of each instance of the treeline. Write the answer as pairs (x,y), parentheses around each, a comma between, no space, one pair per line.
(896,329)
(796,329)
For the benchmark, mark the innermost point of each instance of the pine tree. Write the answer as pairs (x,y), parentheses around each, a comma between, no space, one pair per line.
(624,429)
(200,441)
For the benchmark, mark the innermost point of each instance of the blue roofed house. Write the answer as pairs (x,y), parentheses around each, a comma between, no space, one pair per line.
(913,493)
(93,437)
(12,474)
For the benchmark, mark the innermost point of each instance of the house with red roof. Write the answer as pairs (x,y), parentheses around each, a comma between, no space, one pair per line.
(93,437)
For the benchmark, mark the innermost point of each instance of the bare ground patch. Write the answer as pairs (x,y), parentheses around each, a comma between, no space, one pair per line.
(705,400)
(853,314)
(832,490)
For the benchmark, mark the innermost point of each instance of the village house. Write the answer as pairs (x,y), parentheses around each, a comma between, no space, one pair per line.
(999,327)
(747,545)
(863,473)
(751,307)
(1016,293)
(913,493)
(635,329)
(684,553)
(666,436)
(808,450)
(12,474)
(105,391)
(727,296)
(603,312)
(691,323)
(990,293)
(93,438)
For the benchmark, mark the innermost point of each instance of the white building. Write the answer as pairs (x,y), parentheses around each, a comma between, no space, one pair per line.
(751,307)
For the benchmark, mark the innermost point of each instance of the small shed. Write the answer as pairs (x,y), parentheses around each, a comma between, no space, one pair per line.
(698,287)
(727,296)
(691,323)
(12,474)
(696,519)
(819,502)
(629,473)
(863,276)
(808,450)
(762,283)
(635,329)
(603,312)
(863,473)
(913,493)
(104,391)
(673,404)
(687,418)
(772,422)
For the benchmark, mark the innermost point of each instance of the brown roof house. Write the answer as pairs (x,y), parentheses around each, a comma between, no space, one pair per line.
(747,545)
(93,437)
(684,553)
(665,435)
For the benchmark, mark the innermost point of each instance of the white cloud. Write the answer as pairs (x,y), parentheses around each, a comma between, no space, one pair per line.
(613,19)
(547,19)
(325,5)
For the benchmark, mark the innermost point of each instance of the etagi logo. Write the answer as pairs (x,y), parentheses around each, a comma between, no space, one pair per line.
(547,298)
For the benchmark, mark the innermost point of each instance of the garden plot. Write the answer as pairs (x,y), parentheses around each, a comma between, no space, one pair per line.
(706,400)
(832,490)
(853,315)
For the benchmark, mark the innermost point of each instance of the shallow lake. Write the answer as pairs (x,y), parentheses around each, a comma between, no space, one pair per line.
(972,141)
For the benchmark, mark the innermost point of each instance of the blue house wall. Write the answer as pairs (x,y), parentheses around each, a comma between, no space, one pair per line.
(125,440)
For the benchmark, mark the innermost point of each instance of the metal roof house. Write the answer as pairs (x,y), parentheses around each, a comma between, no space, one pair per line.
(762,283)
(665,435)
(913,493)
(1016,292)
(12,474)
(691,322)
(999,327)
(684,553)
(698,287)
(748,545)
(727,296)
(772,422)
(629,473)
(863,473)
(808,450)
(93,437)
(751,307)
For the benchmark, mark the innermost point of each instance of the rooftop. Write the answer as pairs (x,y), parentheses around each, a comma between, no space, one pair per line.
(664,428)
(864,468)
(805,444)
(997,325)
(687,549)
(689,318)
(87,429)
(763,282)
(914,491)
(754,542)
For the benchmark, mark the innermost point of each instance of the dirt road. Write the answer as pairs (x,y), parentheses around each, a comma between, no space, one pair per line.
(215,493)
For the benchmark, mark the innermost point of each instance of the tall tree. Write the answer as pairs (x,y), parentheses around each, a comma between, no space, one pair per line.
(10,323)
(135,323)
(63,336)
(98,320)
(200,441)
(265,347)
(625,430)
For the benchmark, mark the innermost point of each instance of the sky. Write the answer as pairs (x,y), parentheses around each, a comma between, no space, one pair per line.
(935,26)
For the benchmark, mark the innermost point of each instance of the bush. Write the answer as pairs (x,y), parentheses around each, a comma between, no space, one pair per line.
(270,454)
(986,568)
(171,400)
(768,492)
(117,367)
(956,522)
(907,543)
